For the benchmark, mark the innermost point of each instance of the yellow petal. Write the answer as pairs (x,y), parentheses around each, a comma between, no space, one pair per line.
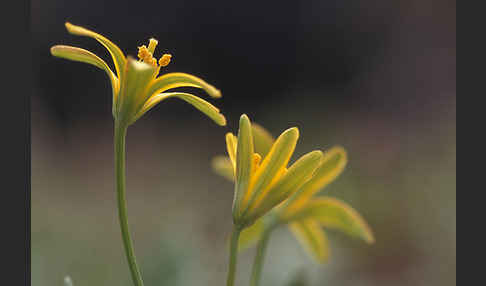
(272,166)
(222,166)
(263,139)
(175,80)
(312,238)
(231,143)
(205,107)
(332,165)
(244,163)
(84,56)
(250,235)
(335,214)
(299,173)
(132,87)
(115,52)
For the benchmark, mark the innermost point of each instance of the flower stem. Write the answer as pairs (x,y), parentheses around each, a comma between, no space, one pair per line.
(120,135)
(235,236)
(259,258)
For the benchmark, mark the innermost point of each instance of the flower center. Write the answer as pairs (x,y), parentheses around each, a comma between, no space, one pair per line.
(146,54)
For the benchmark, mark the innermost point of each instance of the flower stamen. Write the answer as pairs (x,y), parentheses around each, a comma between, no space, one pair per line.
(152,44)
(145,55)
(165,60)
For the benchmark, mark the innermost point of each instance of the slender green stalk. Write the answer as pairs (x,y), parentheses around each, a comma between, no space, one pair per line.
(235,236)
(259,258)
(120,134)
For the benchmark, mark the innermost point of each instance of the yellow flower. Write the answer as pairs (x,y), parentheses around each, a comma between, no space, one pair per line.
(135,85)
(262,179)
(303,212)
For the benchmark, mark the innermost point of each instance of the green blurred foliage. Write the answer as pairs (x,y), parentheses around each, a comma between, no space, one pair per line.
(401,177)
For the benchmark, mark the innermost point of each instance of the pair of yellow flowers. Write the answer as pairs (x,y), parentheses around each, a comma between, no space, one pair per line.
(256,162)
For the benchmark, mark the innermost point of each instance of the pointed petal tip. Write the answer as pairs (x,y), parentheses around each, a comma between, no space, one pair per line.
(59,49)
(213,91)
(78,30)
(216,93)
(293,132)
(338,149)
(54,49)
(244,120)
(71,28)
(317,153)
(221,120)
(370,237)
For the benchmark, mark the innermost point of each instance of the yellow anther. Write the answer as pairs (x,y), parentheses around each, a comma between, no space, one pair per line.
(165,60)
(153,61)
(146,56)
(152,44)
(143,53)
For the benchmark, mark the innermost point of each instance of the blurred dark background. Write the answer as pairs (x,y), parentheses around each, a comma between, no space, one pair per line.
(378,77)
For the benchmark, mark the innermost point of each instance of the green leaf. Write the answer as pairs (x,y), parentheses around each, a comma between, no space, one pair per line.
(335,214)
(175,80)
(222,166)
(299,173)
(263,139)
(244,163)
(312,238)
(115,52)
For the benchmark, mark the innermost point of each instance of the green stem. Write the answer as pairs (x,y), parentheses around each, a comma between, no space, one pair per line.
(259,258)
(235,236)
(120,135)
